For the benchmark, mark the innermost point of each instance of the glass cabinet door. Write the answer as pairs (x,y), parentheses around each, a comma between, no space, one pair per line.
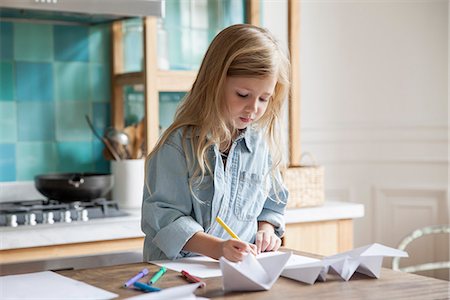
(133,47)
(168,103)
(134,104)
(188,28)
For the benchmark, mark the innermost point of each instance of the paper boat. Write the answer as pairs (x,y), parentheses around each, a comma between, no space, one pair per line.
(252,274)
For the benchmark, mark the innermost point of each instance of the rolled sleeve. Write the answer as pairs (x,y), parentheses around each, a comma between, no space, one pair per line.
(167,204)
(172,238)
(273,210)
(272,214)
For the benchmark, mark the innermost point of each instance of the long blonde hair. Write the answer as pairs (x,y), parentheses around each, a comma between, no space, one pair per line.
(239,50)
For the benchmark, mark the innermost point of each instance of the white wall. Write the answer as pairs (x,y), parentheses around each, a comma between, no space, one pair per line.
(375,113)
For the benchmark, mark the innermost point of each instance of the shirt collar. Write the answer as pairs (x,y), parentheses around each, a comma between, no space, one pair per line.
(246,136)
(247,139)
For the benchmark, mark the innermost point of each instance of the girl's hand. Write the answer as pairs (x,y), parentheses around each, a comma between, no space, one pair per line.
(267,240)
(235,250)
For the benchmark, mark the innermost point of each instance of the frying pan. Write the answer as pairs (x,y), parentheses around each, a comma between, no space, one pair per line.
(70,187)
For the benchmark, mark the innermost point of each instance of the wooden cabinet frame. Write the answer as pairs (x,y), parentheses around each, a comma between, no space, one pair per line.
(156,81)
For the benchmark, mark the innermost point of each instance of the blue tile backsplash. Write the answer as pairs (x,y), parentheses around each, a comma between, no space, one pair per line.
(35,121)
(51,76)
(6,81)
(32,42)
(71,43)
(34,81)
(6,46)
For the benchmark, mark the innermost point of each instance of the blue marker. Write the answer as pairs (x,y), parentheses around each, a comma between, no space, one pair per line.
(146,287)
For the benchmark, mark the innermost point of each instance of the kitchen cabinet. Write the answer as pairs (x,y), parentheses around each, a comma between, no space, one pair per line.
(324,230)
(52,252)
(155,80)
(44,242)
(323,238)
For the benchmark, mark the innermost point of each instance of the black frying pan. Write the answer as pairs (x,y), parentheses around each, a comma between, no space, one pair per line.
(69,187)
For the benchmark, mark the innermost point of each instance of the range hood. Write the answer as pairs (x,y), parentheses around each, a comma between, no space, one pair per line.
(79,11)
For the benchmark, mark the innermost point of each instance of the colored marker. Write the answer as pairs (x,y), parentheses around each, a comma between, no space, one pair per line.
(228,229)
(192,278)
(136,278)
(145,287)
(157,275)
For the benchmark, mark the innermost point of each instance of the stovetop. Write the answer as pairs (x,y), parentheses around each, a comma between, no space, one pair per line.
(36,212)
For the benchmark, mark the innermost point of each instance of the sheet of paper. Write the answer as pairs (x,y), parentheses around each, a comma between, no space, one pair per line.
(204,267)
(293,260)
(199,266)
(48,285)
(252,274)
(184,292)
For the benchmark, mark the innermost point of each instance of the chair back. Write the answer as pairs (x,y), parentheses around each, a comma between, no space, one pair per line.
(415,235)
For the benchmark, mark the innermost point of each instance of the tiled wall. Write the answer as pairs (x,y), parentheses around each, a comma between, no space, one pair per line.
(51,76)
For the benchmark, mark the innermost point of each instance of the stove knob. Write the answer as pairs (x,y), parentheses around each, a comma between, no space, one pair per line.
(30,219)
(65,217)
(11,220)
(82,215)
(47,218)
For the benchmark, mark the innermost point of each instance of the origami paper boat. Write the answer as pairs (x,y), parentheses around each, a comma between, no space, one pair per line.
(365,260)
(252,274)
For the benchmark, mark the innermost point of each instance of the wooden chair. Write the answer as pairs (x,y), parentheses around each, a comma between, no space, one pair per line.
(415,235)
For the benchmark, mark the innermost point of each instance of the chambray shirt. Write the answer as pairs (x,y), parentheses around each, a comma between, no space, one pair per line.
(240,193)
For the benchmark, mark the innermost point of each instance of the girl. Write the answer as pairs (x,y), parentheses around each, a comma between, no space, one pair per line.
(219,157)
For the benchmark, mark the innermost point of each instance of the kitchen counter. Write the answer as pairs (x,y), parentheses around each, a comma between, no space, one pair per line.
(74,232)
(330,210)
(129,226)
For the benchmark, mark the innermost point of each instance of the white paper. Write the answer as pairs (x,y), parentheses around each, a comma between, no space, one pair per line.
(305,272)
(366,260)
(199,266)
(252,274)
(48,285)
(293,260)
(205,267)
(185,291)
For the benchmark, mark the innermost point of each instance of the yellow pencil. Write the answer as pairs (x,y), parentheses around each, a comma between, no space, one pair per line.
(228,229)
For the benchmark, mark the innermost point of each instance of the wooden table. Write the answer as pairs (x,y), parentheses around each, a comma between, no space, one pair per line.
(391,285)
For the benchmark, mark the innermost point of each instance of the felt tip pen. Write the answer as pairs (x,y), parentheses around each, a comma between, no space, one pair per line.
(192,278)
(157,275)
(136,278)
(145,287)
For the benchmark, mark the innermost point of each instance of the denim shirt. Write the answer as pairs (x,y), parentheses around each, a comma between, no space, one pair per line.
(240,193)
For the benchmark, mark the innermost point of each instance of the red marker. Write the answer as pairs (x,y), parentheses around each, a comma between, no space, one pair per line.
(192,278)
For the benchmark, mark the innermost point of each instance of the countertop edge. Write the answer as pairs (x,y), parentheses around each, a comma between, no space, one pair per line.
(129,226)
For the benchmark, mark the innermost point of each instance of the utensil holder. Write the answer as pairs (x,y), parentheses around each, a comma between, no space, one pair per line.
(128,182)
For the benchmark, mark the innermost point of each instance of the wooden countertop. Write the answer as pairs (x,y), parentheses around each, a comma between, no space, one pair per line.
(391,285)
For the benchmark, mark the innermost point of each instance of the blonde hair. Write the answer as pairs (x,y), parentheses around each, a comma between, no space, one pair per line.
(241,50)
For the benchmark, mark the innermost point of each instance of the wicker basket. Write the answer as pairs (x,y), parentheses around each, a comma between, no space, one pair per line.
(305,184)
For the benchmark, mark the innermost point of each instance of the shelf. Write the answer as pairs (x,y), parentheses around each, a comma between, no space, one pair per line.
(129,78)
(175,81)
(166,80)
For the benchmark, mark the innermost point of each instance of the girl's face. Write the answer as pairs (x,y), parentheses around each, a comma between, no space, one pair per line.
(247,98)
